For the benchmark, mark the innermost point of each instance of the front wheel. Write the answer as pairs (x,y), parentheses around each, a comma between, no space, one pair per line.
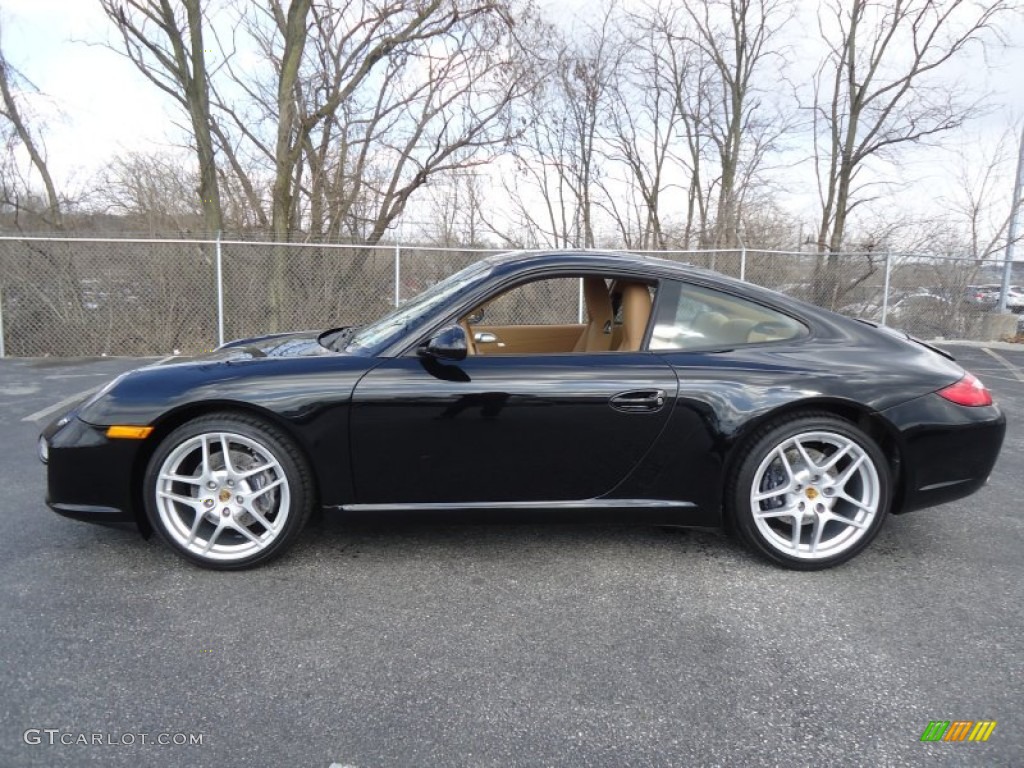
(809,492)
(227,491)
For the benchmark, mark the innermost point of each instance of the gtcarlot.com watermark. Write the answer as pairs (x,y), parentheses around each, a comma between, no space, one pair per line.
(57,737)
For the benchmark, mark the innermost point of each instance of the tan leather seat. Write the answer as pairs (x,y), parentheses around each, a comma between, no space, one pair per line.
(710,325)
(636,311)
(597,336)
(717,328)
(737,330)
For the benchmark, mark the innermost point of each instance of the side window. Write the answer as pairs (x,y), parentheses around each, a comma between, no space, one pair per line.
(543,302)
(692,317)
(564,314)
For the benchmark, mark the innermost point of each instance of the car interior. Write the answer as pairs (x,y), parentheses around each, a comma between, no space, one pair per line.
(544,317)
(694,317)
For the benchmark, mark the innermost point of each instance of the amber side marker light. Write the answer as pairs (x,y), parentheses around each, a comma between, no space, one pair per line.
(968,391)
(129,433)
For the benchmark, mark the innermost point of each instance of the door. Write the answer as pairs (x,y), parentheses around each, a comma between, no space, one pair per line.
(554,427)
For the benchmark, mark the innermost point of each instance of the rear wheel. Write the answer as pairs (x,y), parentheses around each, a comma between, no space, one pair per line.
(227,491)
(810,492)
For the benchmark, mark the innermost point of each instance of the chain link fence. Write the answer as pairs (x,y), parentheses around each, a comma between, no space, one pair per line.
(73,297)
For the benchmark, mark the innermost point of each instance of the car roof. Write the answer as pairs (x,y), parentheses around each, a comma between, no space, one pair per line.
(598,260)
(640,265)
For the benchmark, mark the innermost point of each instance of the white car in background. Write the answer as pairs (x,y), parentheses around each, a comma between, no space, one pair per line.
(1015,298)
(988,296)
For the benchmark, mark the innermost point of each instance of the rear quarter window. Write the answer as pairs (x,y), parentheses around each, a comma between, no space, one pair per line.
(695,317)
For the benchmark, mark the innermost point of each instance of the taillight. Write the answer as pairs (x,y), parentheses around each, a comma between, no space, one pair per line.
(968,391)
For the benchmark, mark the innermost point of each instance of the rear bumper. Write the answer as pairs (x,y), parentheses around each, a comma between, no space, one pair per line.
(88,476)
(948,450)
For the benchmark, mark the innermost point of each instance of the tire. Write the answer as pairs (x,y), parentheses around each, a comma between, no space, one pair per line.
(809,492)
(233,514)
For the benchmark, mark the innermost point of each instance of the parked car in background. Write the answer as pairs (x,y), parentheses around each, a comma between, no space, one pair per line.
(987,296)
(1015,298)
(979,296)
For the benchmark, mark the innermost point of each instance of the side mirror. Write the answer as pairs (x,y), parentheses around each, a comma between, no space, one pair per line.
(447,344)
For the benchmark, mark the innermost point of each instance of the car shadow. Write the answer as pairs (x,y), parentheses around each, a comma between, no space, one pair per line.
(354,536)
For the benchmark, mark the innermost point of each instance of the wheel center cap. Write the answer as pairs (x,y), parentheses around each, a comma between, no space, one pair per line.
(812,493)
(224,494)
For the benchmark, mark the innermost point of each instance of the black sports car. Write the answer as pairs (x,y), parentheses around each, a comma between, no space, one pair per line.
(541,382)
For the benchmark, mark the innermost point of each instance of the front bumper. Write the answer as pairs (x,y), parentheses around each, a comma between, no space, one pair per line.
(948,450)
(88,476)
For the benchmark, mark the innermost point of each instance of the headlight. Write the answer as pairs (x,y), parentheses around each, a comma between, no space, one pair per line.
(44,450)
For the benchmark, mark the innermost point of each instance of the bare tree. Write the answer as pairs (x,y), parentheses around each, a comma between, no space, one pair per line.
(364,103)
(152,190)
(20,134)
(976,216)
(350,108)
(737,37)
(383,99)
(455,203)
(544,199)
(560,151)
(167,46)
(689,111)
(647,111)
(876,90)
(585,76)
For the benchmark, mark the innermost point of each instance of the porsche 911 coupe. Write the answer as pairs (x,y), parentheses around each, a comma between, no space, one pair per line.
(542,383)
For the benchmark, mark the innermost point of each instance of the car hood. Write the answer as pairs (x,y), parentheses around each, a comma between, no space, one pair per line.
(288,373)
(301,344)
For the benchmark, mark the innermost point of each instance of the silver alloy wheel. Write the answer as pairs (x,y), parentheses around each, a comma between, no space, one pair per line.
(222,496)
(815,495)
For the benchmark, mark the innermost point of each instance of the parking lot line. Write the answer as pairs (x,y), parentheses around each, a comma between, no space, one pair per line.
(50,409)
(1006,363)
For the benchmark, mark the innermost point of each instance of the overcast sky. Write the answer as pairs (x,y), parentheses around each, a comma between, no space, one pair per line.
(97,105)
(95,102)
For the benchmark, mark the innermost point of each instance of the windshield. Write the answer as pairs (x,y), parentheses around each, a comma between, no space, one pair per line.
(411,313)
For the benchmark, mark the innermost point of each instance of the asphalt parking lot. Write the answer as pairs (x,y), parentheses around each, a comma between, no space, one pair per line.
(502,644)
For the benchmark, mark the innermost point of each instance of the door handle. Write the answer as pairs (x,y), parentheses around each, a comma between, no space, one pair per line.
(637,401)
(484,337)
